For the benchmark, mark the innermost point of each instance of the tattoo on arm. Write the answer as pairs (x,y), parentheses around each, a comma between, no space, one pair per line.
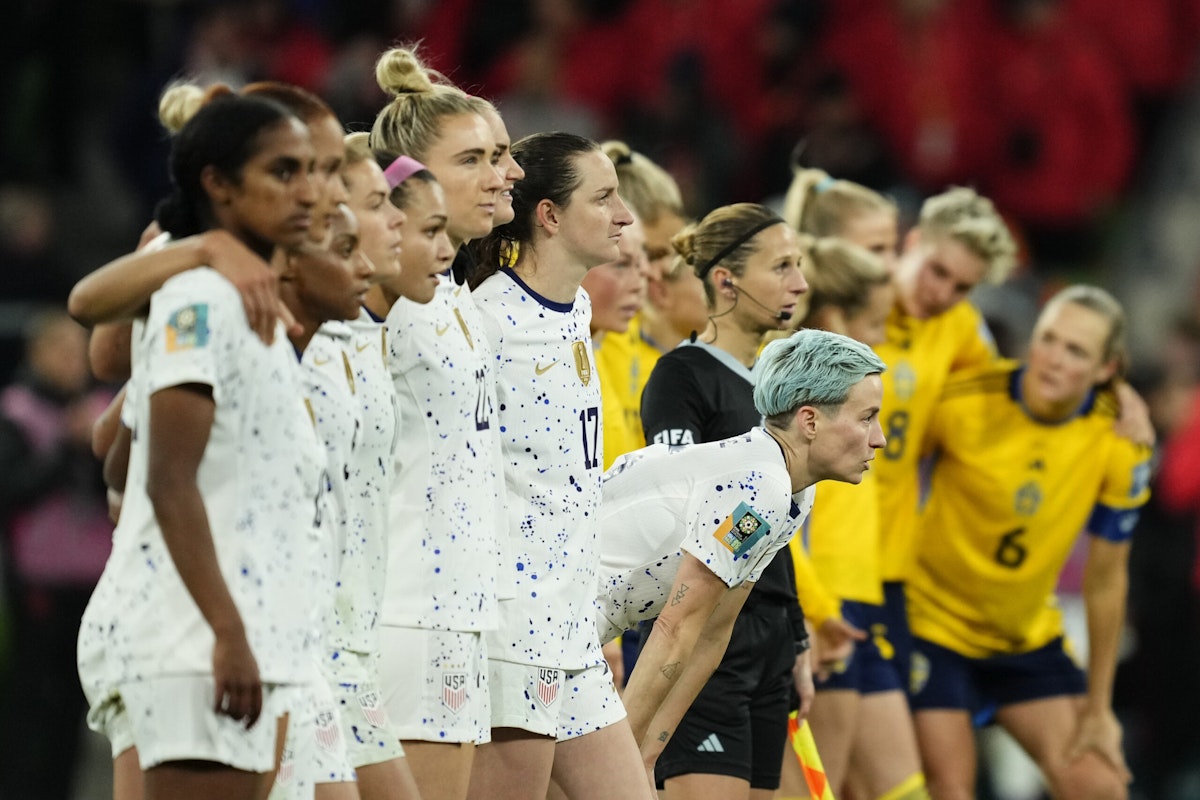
(663,736)
(671,670)
(678,598)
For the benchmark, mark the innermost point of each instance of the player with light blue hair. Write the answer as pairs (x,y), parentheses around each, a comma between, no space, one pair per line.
(686,531)
(810,368)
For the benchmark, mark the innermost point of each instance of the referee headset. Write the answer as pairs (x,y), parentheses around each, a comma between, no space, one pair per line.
(781,315)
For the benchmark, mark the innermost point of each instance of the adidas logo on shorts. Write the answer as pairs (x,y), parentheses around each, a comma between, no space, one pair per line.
(711,745)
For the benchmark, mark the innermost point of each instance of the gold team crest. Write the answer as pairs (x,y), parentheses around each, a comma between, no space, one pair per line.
(1028,499)
(904,379)
(583,365)
(918,673)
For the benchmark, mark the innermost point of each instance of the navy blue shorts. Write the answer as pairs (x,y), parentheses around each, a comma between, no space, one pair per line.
(870,669)
(895,633)
(943,678)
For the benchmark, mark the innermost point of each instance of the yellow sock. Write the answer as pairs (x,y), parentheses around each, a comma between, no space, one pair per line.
(911,788)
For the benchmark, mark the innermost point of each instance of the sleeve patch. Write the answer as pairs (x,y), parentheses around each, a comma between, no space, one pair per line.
(1113,524)
(741,529)
(187,329)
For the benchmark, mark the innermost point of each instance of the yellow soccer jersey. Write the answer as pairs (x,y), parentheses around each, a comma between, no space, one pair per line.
(624,361)
(920,354)
(843,539)
(1008,498)
(818,602)
(618,437)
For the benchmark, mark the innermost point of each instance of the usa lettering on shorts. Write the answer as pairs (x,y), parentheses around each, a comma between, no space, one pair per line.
(547,686)
(287,767)
(328,732)
(454,690)
(372,709)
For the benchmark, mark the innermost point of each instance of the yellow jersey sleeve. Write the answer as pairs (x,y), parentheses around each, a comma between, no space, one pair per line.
(818,604)
(1126,489)
(618,437)
(843,539)
(624,361)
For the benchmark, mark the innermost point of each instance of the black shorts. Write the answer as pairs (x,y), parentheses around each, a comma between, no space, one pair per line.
(737,725)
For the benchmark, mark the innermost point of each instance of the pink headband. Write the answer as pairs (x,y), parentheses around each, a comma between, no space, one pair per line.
(401,170)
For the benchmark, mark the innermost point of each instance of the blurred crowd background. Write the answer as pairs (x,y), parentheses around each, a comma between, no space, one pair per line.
(1079,118)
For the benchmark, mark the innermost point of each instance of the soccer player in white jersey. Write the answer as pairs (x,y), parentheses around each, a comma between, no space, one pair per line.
(212,623)
(547,676)
(351,356)
(447,502)
(685,531)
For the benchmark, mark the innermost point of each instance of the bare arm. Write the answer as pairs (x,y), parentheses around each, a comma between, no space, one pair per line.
(108,351)
(1133,423)
(110,444)
(104,429)
(685,646)
(1105,586)
(121,289)
(116,470)
(181,418)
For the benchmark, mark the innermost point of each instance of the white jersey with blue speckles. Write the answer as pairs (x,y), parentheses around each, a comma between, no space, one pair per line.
(99,623)
(447,505)
(728,503)
(328,384)
(261,480)
(368,488)
(550,431)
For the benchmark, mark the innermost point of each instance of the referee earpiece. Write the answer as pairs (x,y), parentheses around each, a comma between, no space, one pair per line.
(728,283)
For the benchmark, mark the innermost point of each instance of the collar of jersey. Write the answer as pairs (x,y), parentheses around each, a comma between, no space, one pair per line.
(542,301)
(370,315)
(737,367)
(1014,391)
(335,329)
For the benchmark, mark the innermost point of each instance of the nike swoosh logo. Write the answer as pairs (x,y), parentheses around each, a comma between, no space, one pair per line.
(540,370)
(361,347)
(320,362)
(440,330)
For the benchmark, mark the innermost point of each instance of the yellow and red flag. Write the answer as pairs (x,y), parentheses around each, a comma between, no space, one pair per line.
(810,760)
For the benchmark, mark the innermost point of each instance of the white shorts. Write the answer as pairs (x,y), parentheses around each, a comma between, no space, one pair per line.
(370,736)
(315,748)
(435,684)
(106,711)
(172,719)
(556,702)
(108,717)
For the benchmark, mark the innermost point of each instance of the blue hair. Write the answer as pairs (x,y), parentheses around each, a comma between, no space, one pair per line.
(810,368)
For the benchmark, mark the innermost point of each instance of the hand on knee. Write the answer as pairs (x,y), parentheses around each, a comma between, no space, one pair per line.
(1088,777)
